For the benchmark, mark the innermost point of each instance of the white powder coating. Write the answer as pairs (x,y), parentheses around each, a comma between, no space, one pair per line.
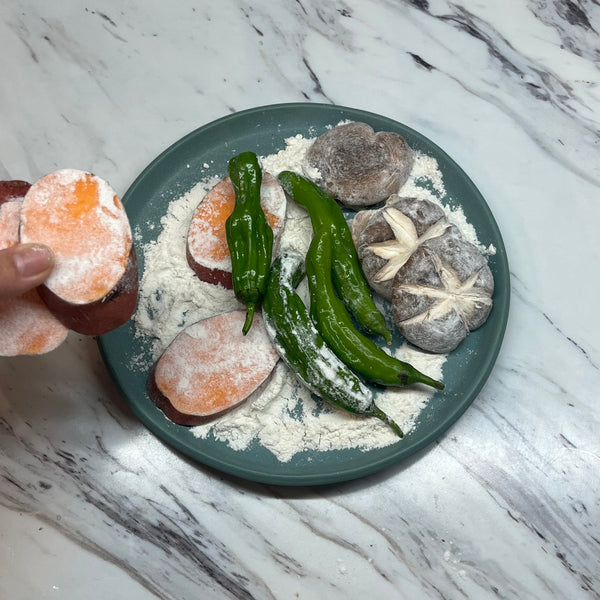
(213,353)
(10,219)
(81,218)
(291,158)
(171,297)
(28,327)
(282,415)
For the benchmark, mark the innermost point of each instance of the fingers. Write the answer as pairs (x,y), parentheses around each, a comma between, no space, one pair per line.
(24,267)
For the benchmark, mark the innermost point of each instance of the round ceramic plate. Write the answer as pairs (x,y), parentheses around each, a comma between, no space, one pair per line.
(205,152)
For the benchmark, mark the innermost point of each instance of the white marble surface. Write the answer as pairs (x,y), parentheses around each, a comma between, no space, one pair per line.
(506,504)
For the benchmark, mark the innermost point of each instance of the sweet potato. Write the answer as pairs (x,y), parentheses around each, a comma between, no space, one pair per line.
(13,190)
(211,367)
(26,324)
(94,284)
(207,250)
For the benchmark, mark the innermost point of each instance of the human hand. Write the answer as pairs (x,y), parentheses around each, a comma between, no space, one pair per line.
(23,267)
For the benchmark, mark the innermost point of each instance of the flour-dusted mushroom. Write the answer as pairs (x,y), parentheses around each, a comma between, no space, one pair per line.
(357,166)
(386,238)
(442,292)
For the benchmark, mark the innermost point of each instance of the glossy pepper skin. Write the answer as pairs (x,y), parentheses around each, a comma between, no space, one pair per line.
(335,324)
(302,347)
(347,273)
(249,235)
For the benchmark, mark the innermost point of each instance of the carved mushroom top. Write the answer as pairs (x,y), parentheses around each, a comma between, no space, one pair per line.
(357,166)
(385,238)
(442,292)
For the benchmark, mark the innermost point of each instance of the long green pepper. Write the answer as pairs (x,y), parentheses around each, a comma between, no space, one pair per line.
(347,273)
(302,347)
(249,235)
(334,323)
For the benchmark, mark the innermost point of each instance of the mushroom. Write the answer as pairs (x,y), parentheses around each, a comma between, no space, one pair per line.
(442,292)
(385,238)
(357,166)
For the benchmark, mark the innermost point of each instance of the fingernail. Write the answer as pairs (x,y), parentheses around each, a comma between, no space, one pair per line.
(32,260)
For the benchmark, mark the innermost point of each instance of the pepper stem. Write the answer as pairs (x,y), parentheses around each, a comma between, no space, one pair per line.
(249,317)
(422,378)
(377,412)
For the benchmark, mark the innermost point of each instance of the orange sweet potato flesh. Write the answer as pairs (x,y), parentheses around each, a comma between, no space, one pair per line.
(27,327)
(207,250)
(93,287)
(210,368)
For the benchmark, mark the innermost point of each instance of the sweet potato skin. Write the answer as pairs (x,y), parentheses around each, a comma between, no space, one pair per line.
(13,189)
(204,273)
(104,315)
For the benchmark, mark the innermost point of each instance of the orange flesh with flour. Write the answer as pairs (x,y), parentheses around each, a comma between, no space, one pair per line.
(83,221)
(26,325)
(211,366)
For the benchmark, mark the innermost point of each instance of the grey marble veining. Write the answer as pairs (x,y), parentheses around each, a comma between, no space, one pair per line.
(506,503)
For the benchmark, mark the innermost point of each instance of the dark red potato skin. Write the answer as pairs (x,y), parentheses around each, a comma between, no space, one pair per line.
(214,276)
(10,190)
(102,316)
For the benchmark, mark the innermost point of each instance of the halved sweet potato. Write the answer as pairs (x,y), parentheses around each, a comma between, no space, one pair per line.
(207,249)
(211,367)
(94,284)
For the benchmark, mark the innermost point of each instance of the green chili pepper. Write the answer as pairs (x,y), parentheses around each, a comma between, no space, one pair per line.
(335,324)
(347,273)
(249,235)
(302,347)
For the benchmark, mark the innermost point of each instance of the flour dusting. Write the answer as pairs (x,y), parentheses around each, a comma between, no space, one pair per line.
(282,415)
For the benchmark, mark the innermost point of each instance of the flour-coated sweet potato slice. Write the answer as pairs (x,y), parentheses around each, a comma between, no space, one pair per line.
(207,249)
(211,367)
(26,324)
(94,284)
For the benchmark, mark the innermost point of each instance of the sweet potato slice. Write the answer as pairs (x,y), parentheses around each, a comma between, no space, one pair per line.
(26,324)
(14,189)
(94,284)
(207,250)
(211,367)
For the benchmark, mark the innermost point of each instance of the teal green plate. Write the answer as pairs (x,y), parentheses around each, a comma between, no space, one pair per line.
(205,152)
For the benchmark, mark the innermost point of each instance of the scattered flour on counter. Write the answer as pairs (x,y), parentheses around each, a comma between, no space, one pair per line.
(282,415)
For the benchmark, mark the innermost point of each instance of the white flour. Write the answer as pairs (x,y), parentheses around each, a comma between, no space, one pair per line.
(281,415)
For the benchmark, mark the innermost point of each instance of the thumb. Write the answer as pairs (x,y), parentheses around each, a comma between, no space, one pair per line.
(23,267)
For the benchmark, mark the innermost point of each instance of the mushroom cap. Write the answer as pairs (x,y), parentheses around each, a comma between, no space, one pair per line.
(359,167)
(442,292)
(387,236)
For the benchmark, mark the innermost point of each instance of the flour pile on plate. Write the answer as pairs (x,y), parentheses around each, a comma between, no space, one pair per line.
(282,415)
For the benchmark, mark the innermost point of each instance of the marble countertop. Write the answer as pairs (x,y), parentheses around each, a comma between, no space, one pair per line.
(506,504)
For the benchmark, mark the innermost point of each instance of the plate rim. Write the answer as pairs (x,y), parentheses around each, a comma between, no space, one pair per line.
(501,303)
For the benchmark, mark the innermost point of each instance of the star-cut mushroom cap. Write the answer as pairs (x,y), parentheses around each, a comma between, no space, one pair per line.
(442,292)
(387,237)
